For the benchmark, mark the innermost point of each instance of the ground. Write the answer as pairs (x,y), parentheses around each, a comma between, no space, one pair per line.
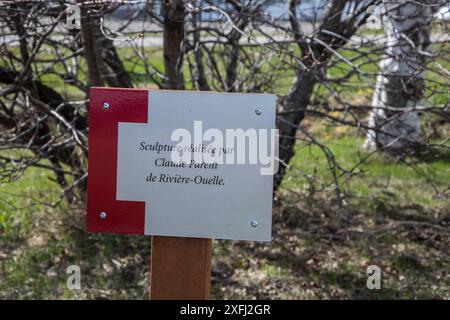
(390,217)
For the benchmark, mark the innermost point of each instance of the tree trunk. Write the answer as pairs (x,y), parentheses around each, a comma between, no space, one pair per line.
(314,57)
(92,51)
(173,13)
(400,85)
(103,62)
(290,117)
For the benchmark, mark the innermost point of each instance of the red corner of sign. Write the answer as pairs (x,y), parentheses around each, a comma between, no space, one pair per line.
(108,107)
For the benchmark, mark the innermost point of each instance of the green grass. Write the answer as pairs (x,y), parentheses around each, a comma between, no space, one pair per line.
(21,199)
(379,173)
(140,67)
(38,242)
(26,255)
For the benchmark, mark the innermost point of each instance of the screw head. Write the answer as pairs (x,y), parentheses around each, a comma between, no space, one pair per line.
(258,111)
(254,224)
(105,105)
(102,215)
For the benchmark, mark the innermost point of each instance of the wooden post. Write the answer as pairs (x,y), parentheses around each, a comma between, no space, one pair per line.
(180,268)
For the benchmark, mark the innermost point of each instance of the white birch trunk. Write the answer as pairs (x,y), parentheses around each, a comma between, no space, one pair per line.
(400,85)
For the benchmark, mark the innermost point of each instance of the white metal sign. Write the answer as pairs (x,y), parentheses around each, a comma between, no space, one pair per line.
(203,164)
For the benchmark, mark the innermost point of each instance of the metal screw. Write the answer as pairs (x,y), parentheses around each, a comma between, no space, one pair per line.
(105,105)
(258,111)
(254,224)
(102,215)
